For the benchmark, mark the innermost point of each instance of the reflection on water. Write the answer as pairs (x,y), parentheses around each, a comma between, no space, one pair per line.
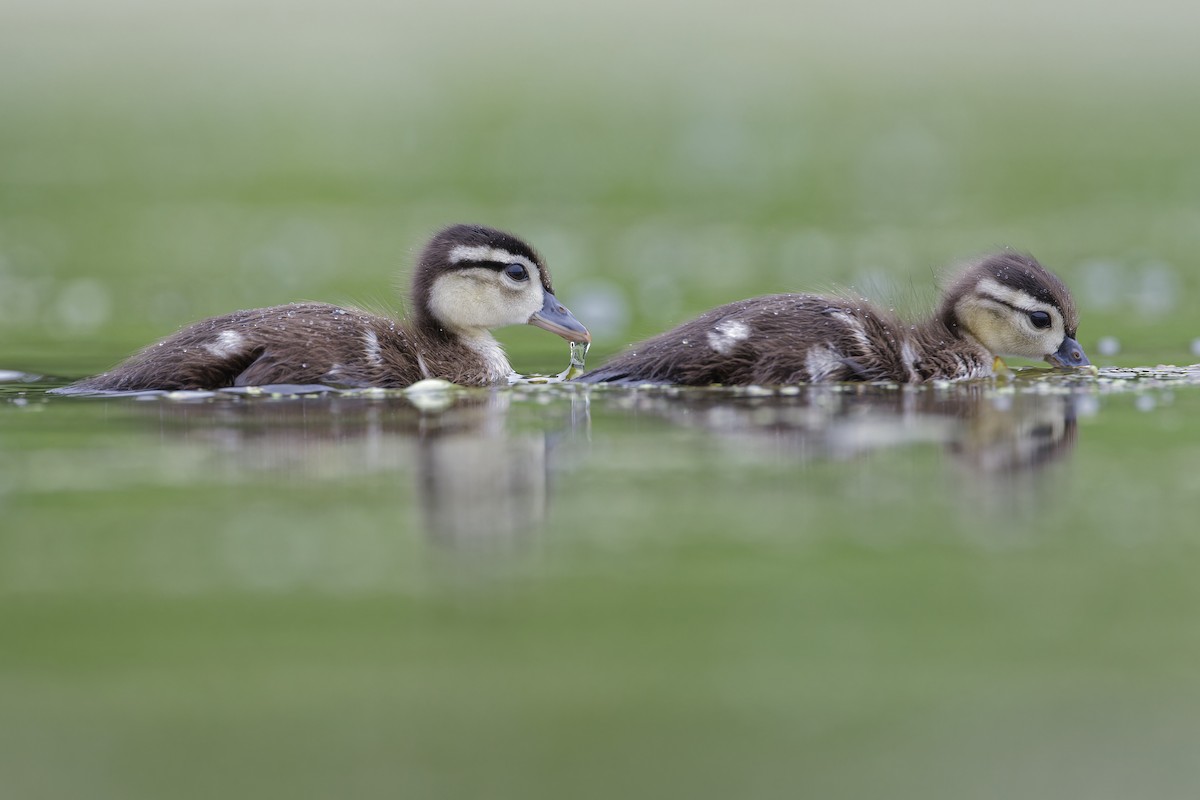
(478,478)
(478,469)
(481,474)
(981,427)
(348,492)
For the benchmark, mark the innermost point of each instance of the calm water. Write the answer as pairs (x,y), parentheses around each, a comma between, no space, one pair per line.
(562,591)
(549,591)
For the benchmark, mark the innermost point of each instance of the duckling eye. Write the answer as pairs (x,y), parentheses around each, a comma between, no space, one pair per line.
(517,272)
(1040,319)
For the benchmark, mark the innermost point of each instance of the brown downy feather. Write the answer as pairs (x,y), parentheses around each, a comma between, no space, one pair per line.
(798,338)
(316,343)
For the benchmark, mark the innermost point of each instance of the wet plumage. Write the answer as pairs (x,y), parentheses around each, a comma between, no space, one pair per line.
(1006,304)
(468,280)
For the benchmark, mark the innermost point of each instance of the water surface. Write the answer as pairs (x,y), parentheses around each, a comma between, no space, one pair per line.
(984,590)
(557,590)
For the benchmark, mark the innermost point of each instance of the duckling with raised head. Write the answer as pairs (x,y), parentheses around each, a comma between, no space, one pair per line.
(468,280)
(1005,305)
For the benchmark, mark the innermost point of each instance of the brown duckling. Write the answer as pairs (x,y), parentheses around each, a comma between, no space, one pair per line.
(468,280)
(1006,304)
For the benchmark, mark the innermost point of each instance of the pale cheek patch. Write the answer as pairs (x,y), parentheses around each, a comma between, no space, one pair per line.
(996,291)
(472,300)
(226,345)
(725,335)
(1004,331)
(456,300)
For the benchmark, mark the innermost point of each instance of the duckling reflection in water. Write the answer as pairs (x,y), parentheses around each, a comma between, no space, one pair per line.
(468,280)
(477,484)
(1005,305)
(989,433)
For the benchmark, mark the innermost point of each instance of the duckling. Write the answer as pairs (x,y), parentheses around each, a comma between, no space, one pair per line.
(468,280)
(1006,304)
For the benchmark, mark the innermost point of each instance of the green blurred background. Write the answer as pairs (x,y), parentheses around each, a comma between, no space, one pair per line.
(756,598)
(165,162)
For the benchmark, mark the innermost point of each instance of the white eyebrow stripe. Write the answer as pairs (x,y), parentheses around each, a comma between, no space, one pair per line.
(993,290)
(484,253)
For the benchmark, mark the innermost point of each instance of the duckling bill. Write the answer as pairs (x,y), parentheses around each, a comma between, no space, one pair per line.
(468,280)
(1005,305)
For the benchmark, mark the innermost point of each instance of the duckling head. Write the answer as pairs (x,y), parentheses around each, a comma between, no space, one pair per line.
(1014,306)
(472,278)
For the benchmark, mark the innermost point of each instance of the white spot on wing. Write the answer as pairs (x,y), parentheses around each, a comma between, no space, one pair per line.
(726,334)
(371,348)
(857,330)
(909,357)
(425,373)
(227,344)
(822,362)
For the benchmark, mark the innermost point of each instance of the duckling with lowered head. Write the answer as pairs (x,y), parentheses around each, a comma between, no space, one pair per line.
(1005,305)
(468,280)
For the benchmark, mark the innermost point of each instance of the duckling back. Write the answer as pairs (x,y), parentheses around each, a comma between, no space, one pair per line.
(1005,304)
(299,343)
(469,279)
(796,338)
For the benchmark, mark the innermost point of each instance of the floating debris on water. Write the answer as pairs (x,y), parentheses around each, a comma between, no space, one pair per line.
(1163,373)
(429,385)
(754,390)
(431,394)
(187,394)
(282,389)
(437,394)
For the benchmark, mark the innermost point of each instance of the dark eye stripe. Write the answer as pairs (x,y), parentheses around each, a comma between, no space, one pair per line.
(1018,309)
(537,272)
(498,266)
